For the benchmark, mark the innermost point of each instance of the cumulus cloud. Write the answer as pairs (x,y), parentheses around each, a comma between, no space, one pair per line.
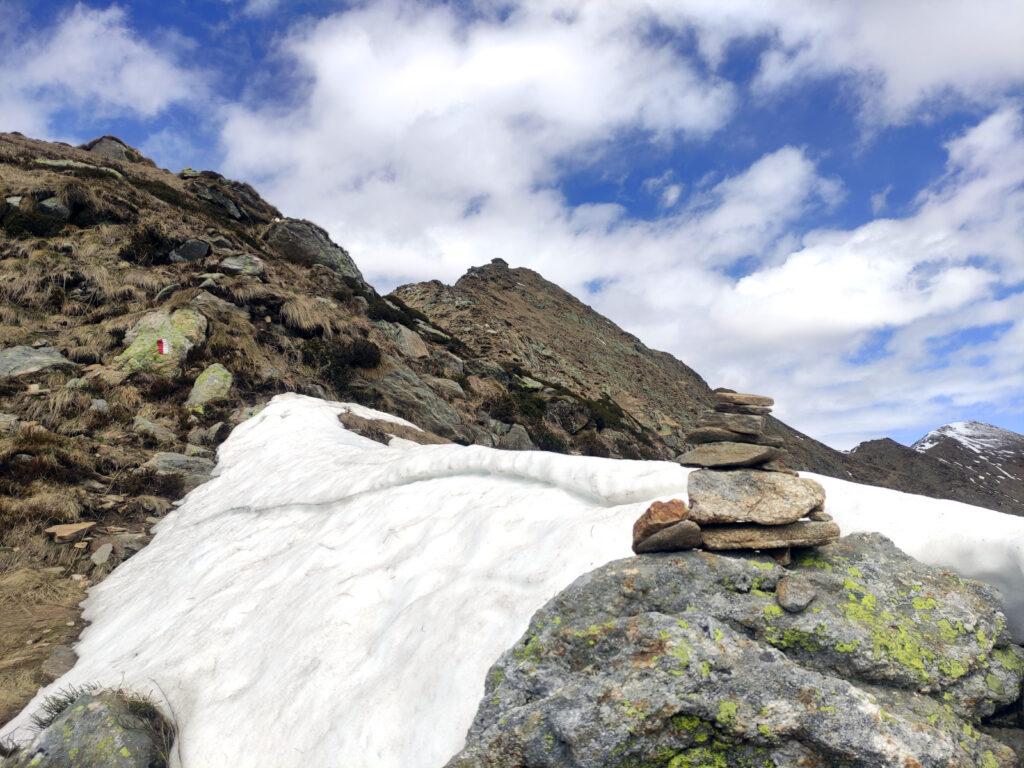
(91,61)
(429,142)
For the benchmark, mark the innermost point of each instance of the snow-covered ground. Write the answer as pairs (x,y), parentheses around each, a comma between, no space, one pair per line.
(329,601)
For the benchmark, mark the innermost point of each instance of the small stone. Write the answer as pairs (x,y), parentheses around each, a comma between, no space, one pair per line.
(661,514)
(801,534)
(728,454)
(53,208)
(166,291)
(742,398)
(820,515)
(61,659)
(751,496)
(99,405)
(679,536)
(243,264)
(783,556)
(102,553)
(777,466)
(756,410)
(152,430)
(743,423)
(190,250)
(69,531)
(794,593)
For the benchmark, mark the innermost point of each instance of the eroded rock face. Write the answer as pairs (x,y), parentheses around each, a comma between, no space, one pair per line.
(688,660)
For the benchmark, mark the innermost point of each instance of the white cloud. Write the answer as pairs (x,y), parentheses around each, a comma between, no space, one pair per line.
(93,62)
(428,144)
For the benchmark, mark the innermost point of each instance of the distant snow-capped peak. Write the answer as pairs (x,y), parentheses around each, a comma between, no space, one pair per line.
(973,435)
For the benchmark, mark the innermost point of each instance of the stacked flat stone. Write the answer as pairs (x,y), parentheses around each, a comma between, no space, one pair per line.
(742,496)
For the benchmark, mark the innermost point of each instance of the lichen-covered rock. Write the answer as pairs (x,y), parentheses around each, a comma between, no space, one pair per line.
(212,385)
(751,496)
(96,730)
(688,660)
(160,341)
(23,360)
(303,242)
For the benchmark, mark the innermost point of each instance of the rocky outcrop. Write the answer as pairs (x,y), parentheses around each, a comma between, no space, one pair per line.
(304,243)
(855,656)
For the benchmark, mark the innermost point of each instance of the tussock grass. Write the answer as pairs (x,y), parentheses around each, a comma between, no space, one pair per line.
(310,315)
(36,453)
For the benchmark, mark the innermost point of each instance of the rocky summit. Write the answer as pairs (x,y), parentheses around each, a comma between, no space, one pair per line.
(742,497)
(853,656)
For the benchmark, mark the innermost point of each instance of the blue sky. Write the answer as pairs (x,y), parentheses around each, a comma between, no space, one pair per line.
(821,202)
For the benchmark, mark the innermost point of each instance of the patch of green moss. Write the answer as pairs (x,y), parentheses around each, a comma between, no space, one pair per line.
(530,651)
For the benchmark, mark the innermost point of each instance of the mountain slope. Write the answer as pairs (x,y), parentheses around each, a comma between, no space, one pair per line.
(991,458)
(517,319)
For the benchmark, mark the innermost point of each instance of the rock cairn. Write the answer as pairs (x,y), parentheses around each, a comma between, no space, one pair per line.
(742,496)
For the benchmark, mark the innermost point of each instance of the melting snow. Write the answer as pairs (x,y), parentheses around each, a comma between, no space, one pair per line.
(326,600)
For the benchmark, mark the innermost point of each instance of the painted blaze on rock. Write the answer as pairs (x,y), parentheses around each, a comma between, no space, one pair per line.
(160,341)
(688,660)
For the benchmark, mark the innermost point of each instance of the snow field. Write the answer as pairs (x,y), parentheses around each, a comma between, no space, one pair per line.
(329,601)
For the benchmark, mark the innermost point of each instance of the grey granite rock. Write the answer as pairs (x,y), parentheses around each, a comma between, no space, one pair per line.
(686,660)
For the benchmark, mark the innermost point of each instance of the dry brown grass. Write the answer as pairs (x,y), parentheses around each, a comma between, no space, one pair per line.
(60,405)
(35,609)
(43,508)
(34,453)
(310,315)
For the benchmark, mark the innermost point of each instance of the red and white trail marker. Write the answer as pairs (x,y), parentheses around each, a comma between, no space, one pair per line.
(163,346)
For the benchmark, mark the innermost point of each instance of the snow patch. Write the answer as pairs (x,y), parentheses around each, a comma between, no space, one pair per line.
(327,600)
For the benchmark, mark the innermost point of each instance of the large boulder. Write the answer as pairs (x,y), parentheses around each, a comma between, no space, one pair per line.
(689,659)
(160,341)
(105,729)
(22,360)
(303,242)
(401,392)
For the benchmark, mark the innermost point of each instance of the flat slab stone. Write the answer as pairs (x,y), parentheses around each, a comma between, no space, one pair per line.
(751,496)
(756,410)
(802,534)
(69,531)
(661,514)
(717,435)
(743,398)
(729,454)
(679,536)
(744,423)
(23,360)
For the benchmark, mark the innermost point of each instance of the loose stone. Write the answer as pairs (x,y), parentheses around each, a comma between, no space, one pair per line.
(679,536)
(661,514)
(801,534)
